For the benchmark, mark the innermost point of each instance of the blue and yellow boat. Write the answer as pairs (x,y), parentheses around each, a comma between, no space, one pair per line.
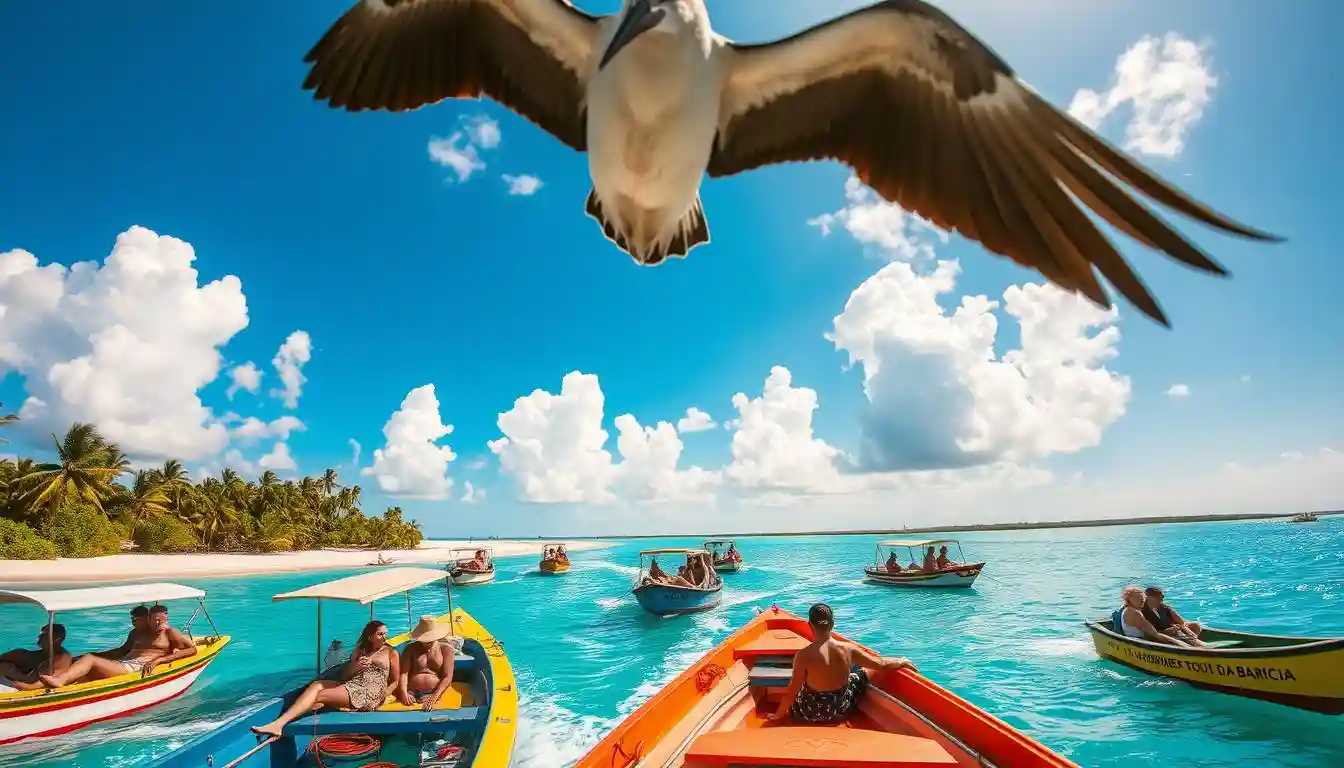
(473,726)
(658,595)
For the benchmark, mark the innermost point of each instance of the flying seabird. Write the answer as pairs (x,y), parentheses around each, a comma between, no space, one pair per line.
(923,112)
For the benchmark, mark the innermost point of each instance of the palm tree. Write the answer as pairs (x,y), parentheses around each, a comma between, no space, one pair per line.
(80,472)
(145,499)
(7,420)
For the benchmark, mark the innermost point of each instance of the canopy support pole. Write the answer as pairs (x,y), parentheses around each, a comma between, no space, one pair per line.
(448,586)
(51,643)
(319,638)
(410,622)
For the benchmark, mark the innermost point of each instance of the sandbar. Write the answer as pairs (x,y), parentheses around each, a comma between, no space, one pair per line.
(138,567)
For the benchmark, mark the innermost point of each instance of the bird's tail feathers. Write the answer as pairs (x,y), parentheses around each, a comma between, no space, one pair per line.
(691,230)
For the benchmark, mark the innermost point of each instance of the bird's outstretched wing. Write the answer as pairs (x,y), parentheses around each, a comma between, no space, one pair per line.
(529,55)
(932,119)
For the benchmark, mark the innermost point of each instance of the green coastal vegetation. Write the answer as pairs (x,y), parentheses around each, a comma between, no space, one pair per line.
(89,501)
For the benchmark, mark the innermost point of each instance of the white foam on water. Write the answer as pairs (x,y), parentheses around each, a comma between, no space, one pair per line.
(739,598)
(608,603)
(550,735)
(628,570)
(1060,646)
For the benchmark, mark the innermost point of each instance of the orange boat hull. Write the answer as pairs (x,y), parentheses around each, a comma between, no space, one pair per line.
(712,715)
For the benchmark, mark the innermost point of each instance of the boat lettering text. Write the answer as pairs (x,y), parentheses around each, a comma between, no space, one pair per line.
(1240,671)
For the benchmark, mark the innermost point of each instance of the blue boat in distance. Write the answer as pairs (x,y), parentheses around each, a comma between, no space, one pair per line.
(695,587)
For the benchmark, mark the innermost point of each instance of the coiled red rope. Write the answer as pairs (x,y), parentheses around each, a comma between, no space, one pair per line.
(349,746)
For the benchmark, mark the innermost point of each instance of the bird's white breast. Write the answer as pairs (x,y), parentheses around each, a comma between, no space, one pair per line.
(652,115)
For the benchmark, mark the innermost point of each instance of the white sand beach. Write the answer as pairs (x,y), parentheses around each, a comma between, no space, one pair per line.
(134,567)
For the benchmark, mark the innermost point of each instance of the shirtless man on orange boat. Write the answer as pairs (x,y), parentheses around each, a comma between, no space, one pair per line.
(148,645)
(828,675)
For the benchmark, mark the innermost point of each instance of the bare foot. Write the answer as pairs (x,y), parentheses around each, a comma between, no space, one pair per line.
(269,729)
(51,681)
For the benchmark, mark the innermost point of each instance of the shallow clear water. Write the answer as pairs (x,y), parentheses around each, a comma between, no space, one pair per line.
(585,654)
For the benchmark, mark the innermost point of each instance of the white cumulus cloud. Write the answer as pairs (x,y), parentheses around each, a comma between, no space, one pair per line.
(244,377)
(355,449)
(1166,83)
(251,428)
(554,448)
(279,459)
(695,420)
(773,447)
(1178,390)
(125,345)
(471,494)
(461,150)
(524,185)
(289,360)
(412,464)
(940,397)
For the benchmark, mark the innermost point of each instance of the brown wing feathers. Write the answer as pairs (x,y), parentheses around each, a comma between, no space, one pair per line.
(422,52)
(1006,169)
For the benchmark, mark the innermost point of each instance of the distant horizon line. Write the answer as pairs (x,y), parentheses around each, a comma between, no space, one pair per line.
(971,528)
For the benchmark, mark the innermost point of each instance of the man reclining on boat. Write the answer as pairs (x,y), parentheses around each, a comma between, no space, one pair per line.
(151,642)
(19,668)
(1166,620)
(426,664)
(657,575)
(828,676)
(372,674)
(1131,622)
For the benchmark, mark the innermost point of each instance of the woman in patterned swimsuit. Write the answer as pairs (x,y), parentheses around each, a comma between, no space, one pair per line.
(368,679)
(828,677)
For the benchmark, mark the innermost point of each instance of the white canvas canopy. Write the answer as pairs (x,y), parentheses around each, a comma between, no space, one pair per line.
(365,588)
(915,543)
(57,600)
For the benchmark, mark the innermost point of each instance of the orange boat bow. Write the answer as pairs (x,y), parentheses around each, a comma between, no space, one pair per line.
(710,715)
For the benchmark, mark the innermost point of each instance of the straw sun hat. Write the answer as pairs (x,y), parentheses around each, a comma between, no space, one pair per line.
(427,630)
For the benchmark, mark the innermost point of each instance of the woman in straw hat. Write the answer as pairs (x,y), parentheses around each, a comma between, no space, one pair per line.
(427,664)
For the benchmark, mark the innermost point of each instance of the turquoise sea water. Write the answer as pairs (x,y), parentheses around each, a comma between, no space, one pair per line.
(585,654)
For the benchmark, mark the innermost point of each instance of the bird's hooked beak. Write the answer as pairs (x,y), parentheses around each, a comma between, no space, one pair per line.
(640,18)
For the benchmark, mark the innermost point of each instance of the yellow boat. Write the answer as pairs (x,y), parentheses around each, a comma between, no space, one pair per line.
(1302,672)
(478,714)
(554,559)
(43,712)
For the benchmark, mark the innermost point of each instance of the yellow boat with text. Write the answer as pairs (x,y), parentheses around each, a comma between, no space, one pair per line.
(1302,672)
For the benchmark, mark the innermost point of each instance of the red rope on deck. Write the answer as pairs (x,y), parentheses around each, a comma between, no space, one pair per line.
(347,746)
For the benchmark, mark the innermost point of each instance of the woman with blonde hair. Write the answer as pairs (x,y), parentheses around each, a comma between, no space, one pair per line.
(1130,621)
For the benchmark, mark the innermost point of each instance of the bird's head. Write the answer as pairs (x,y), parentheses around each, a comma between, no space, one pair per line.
(663,16)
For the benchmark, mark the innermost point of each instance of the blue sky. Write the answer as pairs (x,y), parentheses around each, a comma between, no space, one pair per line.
(193,125)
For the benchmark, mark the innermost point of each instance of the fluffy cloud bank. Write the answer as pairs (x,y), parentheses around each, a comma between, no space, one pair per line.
(411,463)
(125,345)
(1166,84)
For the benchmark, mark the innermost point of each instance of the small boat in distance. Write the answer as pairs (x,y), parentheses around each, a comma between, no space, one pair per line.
(475,720)
(663,595)
(1302,672)
(1305,517)
(479,568)
(712,714)
(52,712)
(726,557)
(888,570)
(554,559)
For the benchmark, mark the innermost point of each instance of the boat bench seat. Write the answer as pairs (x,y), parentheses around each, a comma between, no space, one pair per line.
(770,677)
(772,642)
(1222,643)
(815,746)
(457,696)
(374,723)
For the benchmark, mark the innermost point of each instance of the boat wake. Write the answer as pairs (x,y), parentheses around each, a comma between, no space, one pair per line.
(1060,646)
(609,603)
(550,735)
(628,570)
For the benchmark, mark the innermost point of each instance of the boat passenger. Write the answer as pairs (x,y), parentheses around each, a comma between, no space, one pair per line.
(930,560)
(892,563)
(1132,622)
(426,664)
(828,675)
(19,668)
(148,645)
(943,560)
(372,674)
(1166,620)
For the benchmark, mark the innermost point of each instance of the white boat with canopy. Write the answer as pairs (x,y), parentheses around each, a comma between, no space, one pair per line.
(51,712)
(467,570)
(887,568)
